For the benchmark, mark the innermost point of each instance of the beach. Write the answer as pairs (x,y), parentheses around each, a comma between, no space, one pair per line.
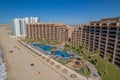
(18,62)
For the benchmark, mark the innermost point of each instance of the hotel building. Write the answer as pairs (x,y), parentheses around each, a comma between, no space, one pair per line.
(19,25)
(47,31)
(103,35)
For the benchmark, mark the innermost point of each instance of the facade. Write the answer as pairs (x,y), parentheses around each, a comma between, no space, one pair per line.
(101,35)
(19,25)
(47,31)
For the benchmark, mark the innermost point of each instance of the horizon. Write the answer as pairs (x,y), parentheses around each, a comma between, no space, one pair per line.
(71,12)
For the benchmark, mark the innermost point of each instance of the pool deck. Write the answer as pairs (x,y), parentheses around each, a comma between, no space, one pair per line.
(53,67)
(60,53)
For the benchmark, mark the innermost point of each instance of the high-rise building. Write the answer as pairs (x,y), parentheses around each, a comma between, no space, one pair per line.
(103,35)
(19,25)
(49,31)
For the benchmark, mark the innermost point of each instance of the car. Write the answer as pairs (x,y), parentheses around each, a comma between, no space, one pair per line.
(95,74)
(78,58)
(32,64)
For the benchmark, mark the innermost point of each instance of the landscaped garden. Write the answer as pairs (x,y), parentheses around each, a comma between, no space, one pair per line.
(42,41)
(84,71)
(106,69)
(78,68)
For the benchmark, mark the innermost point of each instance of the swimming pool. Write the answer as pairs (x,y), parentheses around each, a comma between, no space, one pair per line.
(47,48)
(36,44)
(65,55)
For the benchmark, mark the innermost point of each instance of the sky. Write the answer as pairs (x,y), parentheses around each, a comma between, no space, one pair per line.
(70,12)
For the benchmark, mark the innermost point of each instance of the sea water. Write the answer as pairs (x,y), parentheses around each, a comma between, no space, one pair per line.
(3,72)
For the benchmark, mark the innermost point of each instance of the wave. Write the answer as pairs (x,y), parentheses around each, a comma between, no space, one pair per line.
(3,73)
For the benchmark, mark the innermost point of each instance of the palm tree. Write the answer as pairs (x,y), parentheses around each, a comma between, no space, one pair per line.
(84,68)
(107,57)
(97,52)
(66,45)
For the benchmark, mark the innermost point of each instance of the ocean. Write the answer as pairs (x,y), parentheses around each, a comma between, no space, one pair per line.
(3,72)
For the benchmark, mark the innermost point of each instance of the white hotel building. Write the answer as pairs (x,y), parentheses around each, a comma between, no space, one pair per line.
(19,25)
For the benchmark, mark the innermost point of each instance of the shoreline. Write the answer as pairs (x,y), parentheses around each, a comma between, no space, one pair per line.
(3,69)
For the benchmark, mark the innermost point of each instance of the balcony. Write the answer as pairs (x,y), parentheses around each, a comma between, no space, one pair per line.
(102,44)
(117,62)
(118,48)
(101,51)
(97,40)
(103,40)
(110,50)
(96,43)
(102,47)
(110,46)
(118,53)
(103,36)
(117,57)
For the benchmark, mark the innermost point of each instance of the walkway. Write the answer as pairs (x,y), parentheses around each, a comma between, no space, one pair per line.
(93,70)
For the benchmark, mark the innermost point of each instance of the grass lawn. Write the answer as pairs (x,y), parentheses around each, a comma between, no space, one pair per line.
(63,61)
(42,41)
(113,70)
(86,73)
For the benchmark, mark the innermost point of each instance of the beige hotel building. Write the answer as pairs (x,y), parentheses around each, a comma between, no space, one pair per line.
(103,35)
(49,31)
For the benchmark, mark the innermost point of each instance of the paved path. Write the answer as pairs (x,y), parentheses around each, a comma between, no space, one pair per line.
(93,71)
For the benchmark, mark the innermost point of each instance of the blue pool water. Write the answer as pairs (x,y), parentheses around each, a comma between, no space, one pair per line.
(36,44)
(64,55)
(46,47)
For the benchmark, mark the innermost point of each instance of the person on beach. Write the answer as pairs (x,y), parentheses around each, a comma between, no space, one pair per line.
(38,72)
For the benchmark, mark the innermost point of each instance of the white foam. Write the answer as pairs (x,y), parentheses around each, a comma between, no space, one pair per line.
(3,72)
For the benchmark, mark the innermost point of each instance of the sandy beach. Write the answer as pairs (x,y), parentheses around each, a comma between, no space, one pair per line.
(18,62)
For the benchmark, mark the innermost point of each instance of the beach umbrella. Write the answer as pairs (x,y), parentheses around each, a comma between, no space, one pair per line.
(43,57)
(39,55)
(52,63)
(73,76)
(36,53)
(47,59)
(64,70)
(58,66)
